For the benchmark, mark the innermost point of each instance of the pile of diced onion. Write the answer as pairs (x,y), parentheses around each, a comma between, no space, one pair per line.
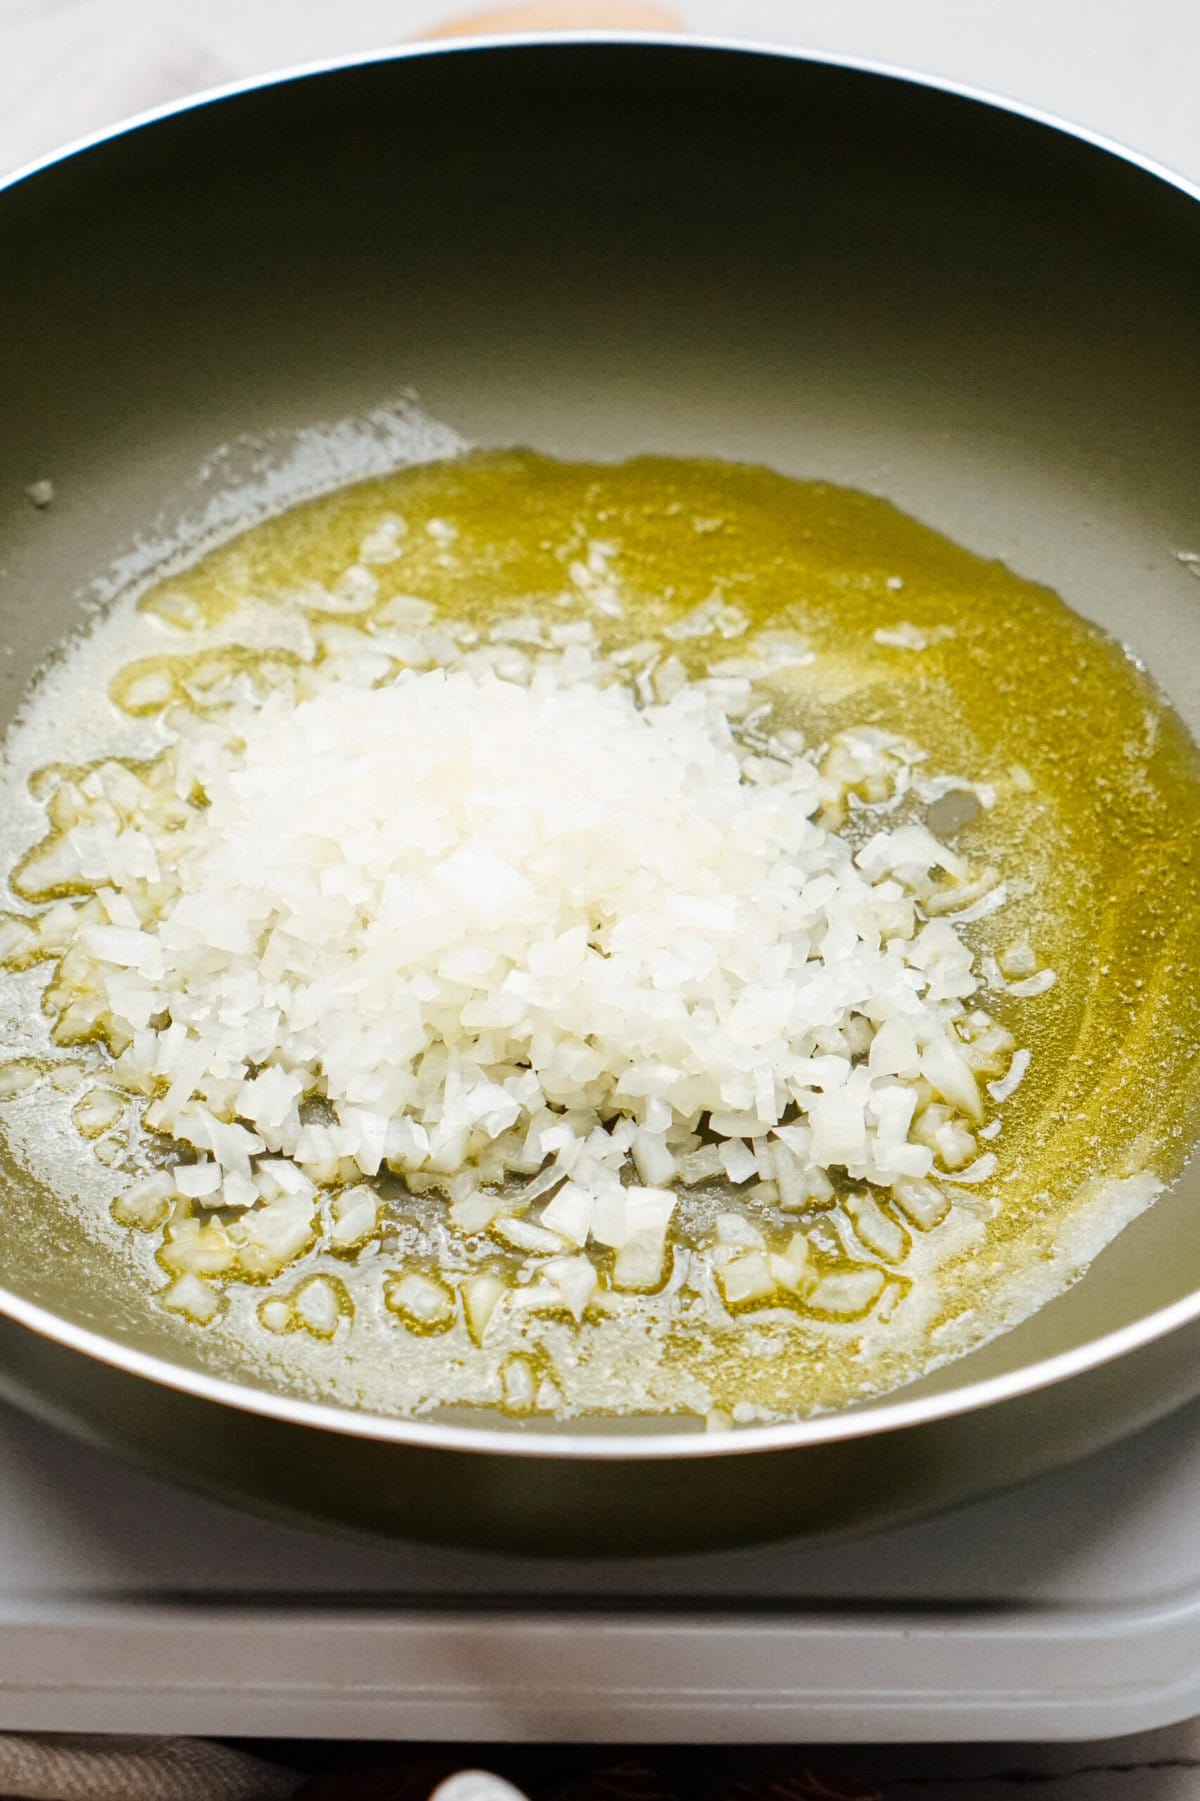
(539,939)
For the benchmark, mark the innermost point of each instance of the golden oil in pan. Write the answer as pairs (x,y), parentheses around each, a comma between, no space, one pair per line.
(1095,829)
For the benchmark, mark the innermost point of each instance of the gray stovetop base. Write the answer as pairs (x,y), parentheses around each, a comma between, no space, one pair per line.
(1070,1610)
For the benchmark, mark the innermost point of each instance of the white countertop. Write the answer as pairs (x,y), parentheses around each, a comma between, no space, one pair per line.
(1126,70)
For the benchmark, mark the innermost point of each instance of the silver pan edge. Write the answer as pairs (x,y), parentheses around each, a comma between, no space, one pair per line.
(959,303)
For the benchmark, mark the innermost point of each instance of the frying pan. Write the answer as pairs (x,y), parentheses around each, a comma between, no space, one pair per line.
(599,247)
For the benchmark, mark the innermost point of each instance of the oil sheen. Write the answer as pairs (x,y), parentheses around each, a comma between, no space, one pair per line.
(1095,828)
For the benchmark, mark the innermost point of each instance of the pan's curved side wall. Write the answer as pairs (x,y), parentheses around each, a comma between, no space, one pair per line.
(564,1507)
(599,249)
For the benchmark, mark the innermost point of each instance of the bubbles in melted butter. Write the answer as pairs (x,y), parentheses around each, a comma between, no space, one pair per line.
(1095,828)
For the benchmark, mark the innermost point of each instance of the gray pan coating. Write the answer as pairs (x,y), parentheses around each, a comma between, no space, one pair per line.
(598,248)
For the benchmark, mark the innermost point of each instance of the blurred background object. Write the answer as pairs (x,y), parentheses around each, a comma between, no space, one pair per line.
(570,15)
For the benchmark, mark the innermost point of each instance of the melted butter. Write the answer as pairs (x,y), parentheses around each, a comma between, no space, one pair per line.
(1096,829)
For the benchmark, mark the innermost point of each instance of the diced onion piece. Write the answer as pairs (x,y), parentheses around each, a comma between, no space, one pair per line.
(18,1077)
(354,1217)
(955,1146)
(195,1249)
(639,1262)
(270,1237)
(236,1191)
(735,1229)
(1008,1085)
(949,1074)
(739,1161)
(523,1235)
(575,1279)
(979,1171)
(799,1184)
(481,1297)
(97,1111)
(569,1214)
(747,1278)
(425,1305)
(922,1203)
(476,1212)
(640,1259)
(945,1135)
(319,1304)
(701,1165)
(653,1160)
(1018,960)
(563,1285)
(146,1203)
(275,1314)
(519,1385)
(847,1293)
(195,1181)
(196,1300)
(879,1233)
(790,1267)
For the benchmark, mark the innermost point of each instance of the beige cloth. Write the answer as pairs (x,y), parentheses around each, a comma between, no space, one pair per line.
(68,1767)
(92,1767)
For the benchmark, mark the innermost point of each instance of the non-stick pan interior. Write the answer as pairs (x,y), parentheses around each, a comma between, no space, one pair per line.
(599,249)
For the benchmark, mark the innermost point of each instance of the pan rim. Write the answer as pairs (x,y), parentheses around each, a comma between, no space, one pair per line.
(872,1420)
(574,40)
